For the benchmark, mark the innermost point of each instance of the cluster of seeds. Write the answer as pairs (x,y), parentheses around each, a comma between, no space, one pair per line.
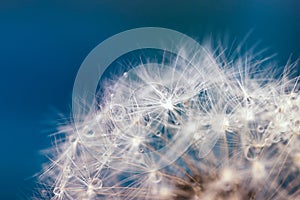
(203,128)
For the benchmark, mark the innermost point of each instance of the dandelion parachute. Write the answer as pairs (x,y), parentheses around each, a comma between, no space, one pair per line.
(212,127)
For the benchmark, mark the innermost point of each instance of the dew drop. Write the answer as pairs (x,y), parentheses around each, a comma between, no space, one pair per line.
(97,183)
(146,119)
(57,191)
(252,152)
(141,150)
(271,125)
(155,177)
(268,142)
(293,96)
(158,133)
(84,167)
(72,139)
(276,138)
(117,112)
(90,133)
(260,129)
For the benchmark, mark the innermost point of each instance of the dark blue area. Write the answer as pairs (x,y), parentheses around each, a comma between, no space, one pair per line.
(42,44)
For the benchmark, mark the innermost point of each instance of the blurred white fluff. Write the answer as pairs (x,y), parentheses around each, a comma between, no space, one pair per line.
(213,127)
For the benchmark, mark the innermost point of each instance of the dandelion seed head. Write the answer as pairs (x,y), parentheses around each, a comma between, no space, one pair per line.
(204,124)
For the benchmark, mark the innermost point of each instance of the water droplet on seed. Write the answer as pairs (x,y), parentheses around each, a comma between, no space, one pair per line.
(118,112)
(141,150)
(252,152)
(260,129)
(97,183)
(90,133)
(57,191)
(155,177)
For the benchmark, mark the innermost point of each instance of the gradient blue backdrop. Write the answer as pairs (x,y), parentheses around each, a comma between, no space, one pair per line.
(42,44)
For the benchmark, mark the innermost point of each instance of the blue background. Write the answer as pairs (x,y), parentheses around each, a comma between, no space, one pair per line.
(42,44)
